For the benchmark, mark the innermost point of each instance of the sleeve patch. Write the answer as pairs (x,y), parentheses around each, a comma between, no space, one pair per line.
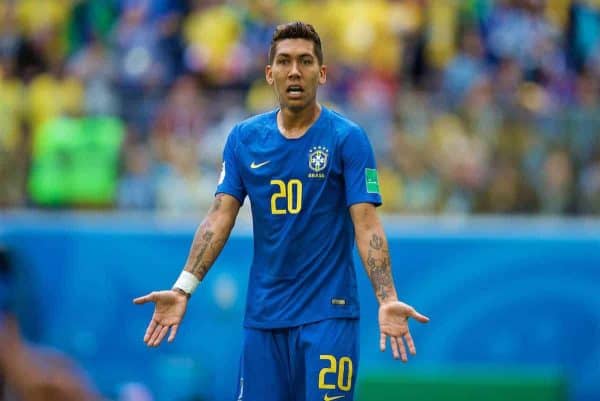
(372,180)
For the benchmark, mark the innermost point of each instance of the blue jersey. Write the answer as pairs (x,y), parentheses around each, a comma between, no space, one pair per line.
(300,191)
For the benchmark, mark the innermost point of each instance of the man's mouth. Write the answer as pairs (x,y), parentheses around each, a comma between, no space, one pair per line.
(295,90)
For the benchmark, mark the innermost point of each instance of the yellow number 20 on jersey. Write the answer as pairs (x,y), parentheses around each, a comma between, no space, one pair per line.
(292,191)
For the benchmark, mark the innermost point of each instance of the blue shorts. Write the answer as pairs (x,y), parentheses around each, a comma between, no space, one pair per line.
(314,362)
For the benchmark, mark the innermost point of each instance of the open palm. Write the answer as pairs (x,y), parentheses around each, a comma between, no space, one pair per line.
(169,309)
(393,323)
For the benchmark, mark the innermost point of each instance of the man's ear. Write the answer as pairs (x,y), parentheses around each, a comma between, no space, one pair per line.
(269,74)
(323,74)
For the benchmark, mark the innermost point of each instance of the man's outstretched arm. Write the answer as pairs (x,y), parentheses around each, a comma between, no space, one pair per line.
(374,251)
(210,237)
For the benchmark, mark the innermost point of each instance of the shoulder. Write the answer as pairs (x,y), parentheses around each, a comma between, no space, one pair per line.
(254,125)
(345,129)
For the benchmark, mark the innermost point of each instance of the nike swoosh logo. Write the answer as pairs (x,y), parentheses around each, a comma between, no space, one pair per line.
(254,165)
(328,398)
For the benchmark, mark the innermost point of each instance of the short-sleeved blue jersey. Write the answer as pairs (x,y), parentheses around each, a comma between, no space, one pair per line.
(300,191)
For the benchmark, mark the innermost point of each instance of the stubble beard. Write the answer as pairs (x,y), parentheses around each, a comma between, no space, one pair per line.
(296,108)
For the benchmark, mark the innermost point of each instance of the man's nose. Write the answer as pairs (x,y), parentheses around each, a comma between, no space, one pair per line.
(294,71)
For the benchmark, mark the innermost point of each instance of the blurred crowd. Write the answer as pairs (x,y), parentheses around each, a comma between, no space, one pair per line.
(473,106)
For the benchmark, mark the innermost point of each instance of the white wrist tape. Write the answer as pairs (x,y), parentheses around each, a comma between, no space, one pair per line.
(187,282)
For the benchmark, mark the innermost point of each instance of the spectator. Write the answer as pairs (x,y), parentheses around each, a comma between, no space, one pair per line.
(183,115)
(95,67)
(181,186)
(212,32)
(12,144)
(137,184)
(140,74)
(465,69)
(556,190)
(470,85)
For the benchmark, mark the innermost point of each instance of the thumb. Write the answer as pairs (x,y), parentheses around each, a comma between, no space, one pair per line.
(144,299)
(417,316)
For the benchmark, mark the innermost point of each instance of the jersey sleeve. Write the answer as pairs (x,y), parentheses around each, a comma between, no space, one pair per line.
(360,170)
(230,180)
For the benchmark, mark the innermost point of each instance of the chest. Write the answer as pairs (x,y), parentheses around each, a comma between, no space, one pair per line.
(313,165)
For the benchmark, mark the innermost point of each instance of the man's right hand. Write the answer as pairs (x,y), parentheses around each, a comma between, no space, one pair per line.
(169,310)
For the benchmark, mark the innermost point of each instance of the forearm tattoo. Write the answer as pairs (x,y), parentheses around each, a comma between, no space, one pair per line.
(199,247)
(376,242)
(208,243)
(378,267)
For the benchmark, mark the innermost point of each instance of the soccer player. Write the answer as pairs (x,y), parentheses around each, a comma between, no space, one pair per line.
(311,179)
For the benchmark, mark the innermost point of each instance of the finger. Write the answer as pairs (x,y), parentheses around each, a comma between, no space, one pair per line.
(382,341)
(144,299)
(417,316)
(155,335)
(394,345)
(150,330)
(162,335)
(410,343)
(402,348)
(173,332)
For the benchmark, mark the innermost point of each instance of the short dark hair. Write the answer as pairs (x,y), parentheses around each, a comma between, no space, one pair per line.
(296,30)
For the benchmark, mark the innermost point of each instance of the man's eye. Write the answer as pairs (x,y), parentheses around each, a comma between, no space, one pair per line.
(283,61)
(307,61)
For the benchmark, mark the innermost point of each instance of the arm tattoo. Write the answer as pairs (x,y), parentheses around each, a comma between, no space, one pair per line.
(217,244)
(208,242)
(376,242)
(199,267)
(378,267)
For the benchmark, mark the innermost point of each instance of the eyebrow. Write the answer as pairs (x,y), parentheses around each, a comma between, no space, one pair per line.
(287,55)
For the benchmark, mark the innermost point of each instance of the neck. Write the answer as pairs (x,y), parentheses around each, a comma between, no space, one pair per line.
(294,124)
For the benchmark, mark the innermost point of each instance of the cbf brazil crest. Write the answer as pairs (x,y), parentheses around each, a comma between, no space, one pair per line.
(317,161)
